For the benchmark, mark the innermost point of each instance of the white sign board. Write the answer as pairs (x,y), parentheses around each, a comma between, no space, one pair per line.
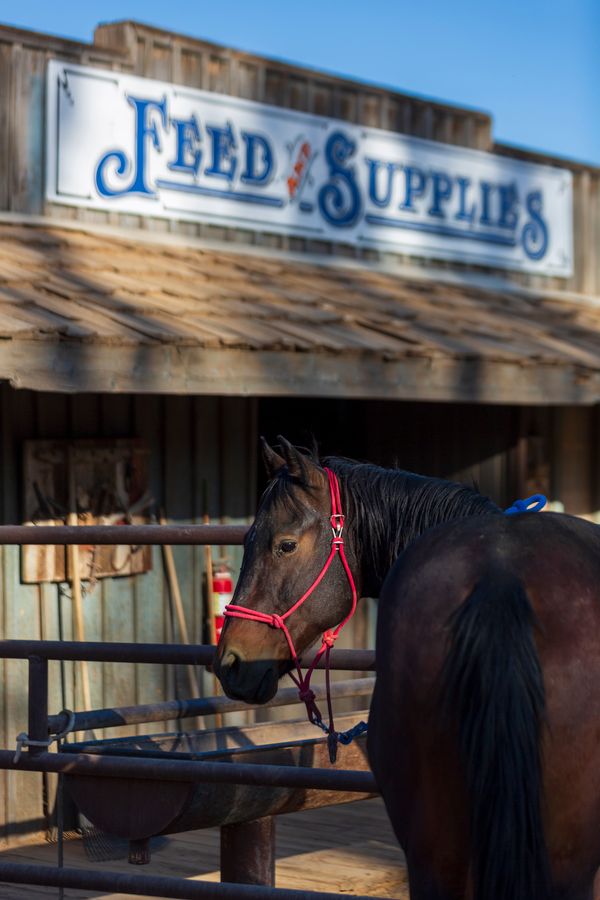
(133,145)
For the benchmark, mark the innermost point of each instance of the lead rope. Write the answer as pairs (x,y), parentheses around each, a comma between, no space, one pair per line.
(302,682)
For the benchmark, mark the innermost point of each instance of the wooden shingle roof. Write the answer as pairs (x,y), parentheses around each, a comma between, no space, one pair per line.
(73,299)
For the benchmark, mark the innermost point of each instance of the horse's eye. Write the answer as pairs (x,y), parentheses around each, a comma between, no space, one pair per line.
(287,546)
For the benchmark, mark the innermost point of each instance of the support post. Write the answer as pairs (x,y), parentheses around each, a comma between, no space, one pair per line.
(248,852)
(37,724)
(139,852)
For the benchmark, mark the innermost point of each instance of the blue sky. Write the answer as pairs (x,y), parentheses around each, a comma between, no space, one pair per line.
(533,64)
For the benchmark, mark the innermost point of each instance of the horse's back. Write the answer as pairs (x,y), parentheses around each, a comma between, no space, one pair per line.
(413,751)
(555,556)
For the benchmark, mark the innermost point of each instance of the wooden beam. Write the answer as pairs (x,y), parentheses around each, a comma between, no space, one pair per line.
(170,369)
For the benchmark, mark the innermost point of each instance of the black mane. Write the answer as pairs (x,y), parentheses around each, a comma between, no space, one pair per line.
(390,508)
(386,509)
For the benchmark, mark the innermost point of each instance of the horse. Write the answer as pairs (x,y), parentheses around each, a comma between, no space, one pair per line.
(484,727)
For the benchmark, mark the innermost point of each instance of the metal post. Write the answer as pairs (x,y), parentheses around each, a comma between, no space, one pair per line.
(160,886)
(248,852)
(38,703)
(60,824)
(193,771)
(139,852)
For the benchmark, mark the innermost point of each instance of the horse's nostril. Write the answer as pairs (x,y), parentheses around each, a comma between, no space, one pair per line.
(232,662)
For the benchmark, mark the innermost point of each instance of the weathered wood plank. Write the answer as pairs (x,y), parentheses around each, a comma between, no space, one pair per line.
(6,76)
(585,252)
(178,476)
(28,92)
(117,596)
(118,681)
(350,849)
(5,458)
(573,459)
(193,370)
(77,417)
(153,682)
(22,621)
(595,202)
(205,424)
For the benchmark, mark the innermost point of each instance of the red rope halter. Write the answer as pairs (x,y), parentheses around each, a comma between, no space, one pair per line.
(329,637)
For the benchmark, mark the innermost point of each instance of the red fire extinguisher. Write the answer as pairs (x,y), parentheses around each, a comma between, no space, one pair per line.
(222,586)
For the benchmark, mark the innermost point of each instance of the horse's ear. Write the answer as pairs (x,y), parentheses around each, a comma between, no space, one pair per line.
(299,465)
(272,460)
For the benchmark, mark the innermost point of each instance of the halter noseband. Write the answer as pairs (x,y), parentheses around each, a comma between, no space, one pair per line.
(329,637)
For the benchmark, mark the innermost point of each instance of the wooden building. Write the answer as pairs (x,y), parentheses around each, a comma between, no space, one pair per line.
(183,335)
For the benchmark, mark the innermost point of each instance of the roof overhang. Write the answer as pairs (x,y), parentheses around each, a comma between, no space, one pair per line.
(69,368)
(91,310)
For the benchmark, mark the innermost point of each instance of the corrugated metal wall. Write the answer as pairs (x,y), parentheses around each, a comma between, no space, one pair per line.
(146,51)
(198,447)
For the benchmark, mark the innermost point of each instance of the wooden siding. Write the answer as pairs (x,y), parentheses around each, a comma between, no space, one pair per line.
(462,442)
(506,451)
(142,50)
(207,447)
(203,455)
(198,448)
(197,440)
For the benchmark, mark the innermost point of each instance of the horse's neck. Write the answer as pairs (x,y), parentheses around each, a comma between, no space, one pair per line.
(388,509)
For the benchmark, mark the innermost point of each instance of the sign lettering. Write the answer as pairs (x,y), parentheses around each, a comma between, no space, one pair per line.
(134,145)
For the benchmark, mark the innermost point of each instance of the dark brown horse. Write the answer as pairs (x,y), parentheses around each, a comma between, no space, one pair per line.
(484,731)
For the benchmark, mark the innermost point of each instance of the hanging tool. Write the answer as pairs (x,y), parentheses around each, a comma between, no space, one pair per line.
(178,605)
(75,579)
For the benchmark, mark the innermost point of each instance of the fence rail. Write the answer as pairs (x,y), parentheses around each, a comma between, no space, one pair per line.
(155,885)
(56,535)
(263,776)
(169,654)
(170,710)
(196,771)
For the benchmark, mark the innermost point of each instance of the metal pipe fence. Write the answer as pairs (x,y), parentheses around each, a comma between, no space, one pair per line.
(155,885)
(195,771)
(169,654)
(40,725)
(170,710)
(61,535)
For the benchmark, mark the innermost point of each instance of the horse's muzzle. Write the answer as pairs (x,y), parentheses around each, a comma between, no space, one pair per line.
(253,681)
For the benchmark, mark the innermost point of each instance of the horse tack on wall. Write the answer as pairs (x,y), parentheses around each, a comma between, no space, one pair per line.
(85,482)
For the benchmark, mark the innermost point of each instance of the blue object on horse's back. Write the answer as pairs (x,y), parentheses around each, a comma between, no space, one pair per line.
(535,503)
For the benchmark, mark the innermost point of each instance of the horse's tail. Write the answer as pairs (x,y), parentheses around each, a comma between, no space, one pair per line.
(493,692)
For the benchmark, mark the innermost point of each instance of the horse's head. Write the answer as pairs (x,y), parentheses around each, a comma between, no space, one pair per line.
(285,550)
